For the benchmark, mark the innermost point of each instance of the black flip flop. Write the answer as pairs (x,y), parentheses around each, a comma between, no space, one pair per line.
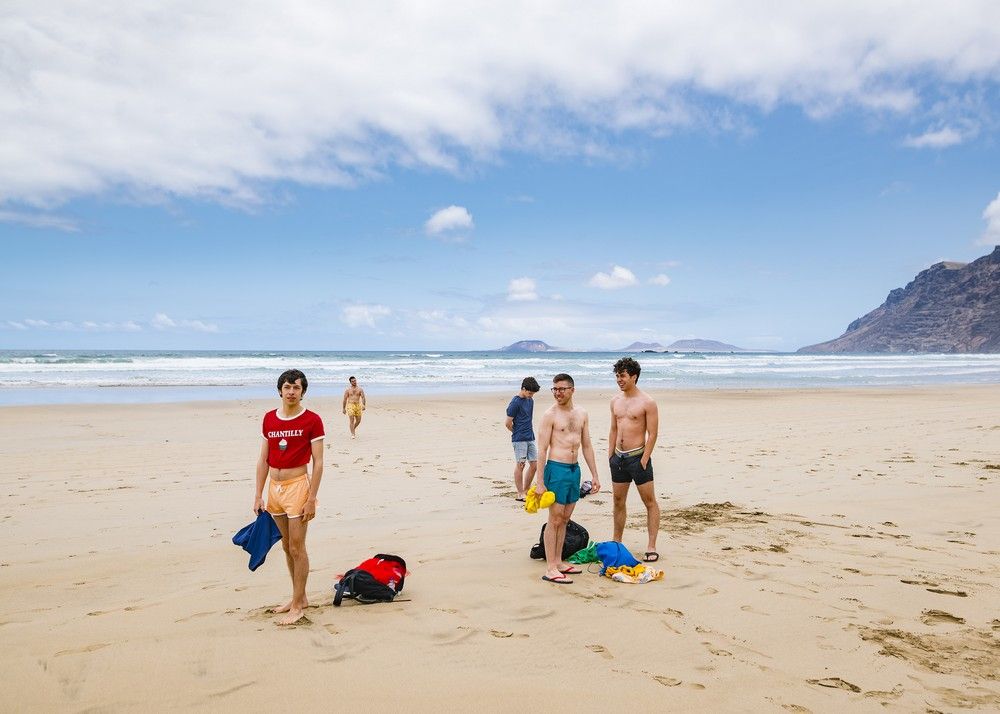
(650,556)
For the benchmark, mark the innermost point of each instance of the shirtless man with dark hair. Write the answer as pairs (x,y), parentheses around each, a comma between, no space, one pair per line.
(355,402)
(564,431)
(635,421)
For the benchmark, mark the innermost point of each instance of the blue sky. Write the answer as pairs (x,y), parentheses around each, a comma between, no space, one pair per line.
(177,176)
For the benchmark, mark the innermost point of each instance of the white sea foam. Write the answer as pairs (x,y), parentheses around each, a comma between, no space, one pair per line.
(84,376)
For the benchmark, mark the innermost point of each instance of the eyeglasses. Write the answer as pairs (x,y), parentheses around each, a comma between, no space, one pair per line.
(560,390)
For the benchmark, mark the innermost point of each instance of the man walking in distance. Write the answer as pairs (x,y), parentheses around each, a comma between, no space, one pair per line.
(634,425)
(354,404)
(522,435)
(293,436)
(564,430)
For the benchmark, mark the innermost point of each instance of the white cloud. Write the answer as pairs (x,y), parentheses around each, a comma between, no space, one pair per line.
(619,277)
(940,139)
(162,321)
(363,315)
(991,236)
(69,326)
(449,223)
(660,279)
(440,322)
(39,220)
(218,101)
(521,289)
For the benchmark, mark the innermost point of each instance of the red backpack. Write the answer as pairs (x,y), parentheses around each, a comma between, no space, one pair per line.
(377,579)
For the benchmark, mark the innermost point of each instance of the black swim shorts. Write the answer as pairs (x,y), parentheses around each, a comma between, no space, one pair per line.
(626,468)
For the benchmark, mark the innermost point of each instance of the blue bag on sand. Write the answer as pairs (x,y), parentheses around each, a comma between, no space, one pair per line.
(258,537)
(614,555)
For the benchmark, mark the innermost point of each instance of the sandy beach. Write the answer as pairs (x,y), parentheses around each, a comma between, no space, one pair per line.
(824,551)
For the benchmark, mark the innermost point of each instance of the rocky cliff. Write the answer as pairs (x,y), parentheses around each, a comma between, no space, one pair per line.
(950,307)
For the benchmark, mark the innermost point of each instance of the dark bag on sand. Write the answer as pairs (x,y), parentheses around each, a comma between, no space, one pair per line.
(377,579)
(577,538)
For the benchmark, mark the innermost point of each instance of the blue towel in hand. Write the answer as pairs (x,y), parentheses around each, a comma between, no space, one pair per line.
(614,555)
(258,537)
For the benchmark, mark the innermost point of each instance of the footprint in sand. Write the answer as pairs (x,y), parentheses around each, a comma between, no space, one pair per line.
(956,593)
(933,617)
(503,634)
(601,650)
(191,617)
(83,650)
(454,638)
(535,613)
(835,683)
(303,621)
(667,681)
(226,692)
(918,582)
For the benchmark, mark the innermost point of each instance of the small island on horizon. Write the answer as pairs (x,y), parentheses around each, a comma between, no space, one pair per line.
(690,345)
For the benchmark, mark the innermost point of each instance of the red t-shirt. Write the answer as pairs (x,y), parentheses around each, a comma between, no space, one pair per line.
(289,441)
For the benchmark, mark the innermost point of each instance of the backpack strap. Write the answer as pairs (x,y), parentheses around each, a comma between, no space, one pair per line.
(343,585)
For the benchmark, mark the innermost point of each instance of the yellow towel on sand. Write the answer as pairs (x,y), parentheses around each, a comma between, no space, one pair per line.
(637,574)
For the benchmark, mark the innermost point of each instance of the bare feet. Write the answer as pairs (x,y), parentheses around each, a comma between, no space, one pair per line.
(294,615)
(287,607)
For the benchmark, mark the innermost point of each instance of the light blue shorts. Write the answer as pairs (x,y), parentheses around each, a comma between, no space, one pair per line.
(525,451)
(563,480)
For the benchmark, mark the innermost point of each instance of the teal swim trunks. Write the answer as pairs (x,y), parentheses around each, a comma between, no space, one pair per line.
(563,480)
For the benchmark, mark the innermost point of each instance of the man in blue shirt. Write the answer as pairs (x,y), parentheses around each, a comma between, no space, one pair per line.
(522,435)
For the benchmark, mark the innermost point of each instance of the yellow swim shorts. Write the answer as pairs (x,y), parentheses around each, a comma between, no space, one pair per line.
(288,498)
(354,410)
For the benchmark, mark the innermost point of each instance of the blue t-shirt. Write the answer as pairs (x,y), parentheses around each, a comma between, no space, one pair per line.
(521,409)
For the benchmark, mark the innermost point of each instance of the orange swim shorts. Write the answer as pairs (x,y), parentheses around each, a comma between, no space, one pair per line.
(288,498)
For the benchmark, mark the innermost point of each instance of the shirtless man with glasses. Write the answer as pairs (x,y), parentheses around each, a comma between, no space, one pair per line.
(564,430)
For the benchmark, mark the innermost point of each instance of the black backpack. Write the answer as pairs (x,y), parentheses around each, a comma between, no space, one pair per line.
(364,583)
(577,538)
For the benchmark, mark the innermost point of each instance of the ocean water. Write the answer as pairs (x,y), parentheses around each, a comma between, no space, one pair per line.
(81,376)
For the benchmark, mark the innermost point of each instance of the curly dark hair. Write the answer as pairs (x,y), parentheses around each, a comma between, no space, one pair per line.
(629,366)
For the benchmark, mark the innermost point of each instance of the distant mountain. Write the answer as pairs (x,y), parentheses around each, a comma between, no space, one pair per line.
(529,346)
(950,307)
(703,346)
(639,346)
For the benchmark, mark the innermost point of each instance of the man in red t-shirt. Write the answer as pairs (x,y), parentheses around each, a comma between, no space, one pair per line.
(293,436)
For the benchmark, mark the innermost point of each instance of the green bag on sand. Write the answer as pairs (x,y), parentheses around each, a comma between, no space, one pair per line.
(585,555)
